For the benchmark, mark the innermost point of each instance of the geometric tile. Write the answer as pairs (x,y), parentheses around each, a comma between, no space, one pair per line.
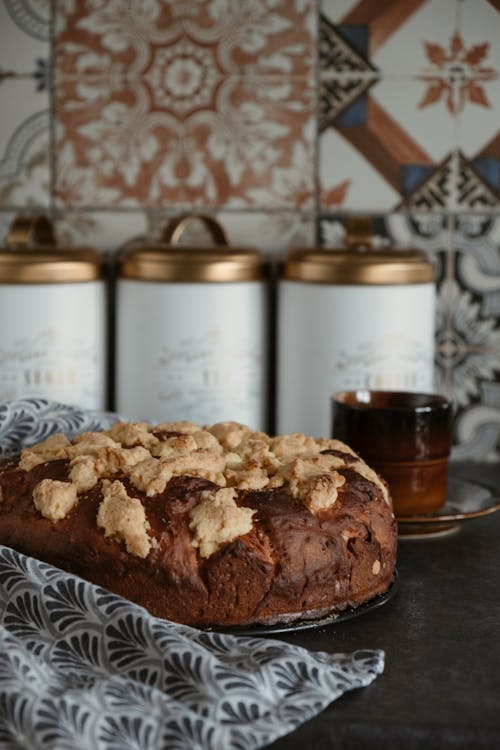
(394,31)
(388,149)
(414,91)
(348,180)
(24,144)
(343,49)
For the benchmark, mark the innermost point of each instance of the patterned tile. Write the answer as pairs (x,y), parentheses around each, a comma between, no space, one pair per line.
(119,146)
(185,44)
(185,104)
(393,36)
(479,22)
(470,345)
(413,89)
(25,39)
(24,144)
(391,153)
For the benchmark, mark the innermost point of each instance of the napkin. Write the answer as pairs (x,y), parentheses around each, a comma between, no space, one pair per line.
(81,668)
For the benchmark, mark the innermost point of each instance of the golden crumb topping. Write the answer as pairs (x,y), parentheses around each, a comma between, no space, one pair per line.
(217,520)
(123,518)
(230,455)
(54,499)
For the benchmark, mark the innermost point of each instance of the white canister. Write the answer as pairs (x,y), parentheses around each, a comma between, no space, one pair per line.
(191,330)
(349,319)
(52,318)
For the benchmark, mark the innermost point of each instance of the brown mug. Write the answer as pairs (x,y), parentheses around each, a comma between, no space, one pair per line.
(405,437)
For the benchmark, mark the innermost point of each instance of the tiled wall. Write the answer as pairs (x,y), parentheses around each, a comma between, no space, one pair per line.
(281,117)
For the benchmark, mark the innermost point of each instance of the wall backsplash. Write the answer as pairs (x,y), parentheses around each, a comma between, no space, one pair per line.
(281,118)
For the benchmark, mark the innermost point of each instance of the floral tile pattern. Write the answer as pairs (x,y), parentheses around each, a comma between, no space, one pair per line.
(185,105)
(280,118)
(471,345)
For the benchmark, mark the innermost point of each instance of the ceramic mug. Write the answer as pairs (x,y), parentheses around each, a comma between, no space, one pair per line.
(405,437)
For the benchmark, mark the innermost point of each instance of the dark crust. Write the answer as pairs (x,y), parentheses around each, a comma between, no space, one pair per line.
(291,565)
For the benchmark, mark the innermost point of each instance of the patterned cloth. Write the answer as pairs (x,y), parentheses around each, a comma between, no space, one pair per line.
(81,668)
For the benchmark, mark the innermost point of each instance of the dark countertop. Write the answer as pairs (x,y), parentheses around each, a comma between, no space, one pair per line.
(441,636)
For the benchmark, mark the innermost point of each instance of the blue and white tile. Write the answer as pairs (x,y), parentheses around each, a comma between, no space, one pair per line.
(473,336)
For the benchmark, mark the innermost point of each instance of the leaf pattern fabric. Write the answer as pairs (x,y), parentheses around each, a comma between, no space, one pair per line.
(83,669)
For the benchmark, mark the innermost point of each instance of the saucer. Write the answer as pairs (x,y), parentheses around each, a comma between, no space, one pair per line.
(464,500)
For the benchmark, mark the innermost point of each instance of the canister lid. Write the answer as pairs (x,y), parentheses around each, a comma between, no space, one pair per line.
(166,260)
(31,256)
(359,262)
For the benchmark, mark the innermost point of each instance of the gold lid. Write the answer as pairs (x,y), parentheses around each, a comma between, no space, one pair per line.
(31,256)
(359,263)
(168,261)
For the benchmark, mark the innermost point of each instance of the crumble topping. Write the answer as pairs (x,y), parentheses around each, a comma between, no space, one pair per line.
(229,434)
(229,454)
(217,520)
(131,434)
(185,427)
(54,499)
(124,518)
(314,479)
(54,447)
(295,444)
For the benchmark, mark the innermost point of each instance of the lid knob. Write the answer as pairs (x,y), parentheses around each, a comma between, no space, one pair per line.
(359,231)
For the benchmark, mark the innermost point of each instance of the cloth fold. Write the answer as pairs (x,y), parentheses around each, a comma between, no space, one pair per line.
(83,668)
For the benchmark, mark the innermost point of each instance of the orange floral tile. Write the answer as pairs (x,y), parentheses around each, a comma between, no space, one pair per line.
(251,145)
(185,103)
(265,36)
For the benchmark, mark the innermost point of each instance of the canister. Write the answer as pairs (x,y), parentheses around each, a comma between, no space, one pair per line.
(348,318)
(192,329)
(52,318)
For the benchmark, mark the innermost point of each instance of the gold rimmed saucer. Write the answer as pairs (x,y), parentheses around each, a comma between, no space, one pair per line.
(465,499)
